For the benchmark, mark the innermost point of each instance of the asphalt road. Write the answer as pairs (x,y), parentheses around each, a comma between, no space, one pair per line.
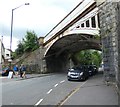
(56,90)
(48,90)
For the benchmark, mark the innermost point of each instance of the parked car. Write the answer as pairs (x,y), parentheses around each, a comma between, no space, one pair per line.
(101,68)
(77,73)
(95,69)
(92,69)
(5,71)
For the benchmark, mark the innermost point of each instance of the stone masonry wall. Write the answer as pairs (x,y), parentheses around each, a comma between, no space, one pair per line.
(109,13)
(34,61)
(118,29)
(108,31)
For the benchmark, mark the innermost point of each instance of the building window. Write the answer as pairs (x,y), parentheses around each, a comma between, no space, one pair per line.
(78,26)
(7,55)
(98,20)
(82,25)
(93,22)
(87,23)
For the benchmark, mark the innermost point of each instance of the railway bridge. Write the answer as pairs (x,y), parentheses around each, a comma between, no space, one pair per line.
(79,30)
(92,24)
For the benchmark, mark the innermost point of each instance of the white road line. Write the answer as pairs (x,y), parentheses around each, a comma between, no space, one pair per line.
(49,91)
(38,102)
(55,85)
(62,81)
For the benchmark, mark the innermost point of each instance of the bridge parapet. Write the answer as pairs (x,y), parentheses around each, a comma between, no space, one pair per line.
(76,14)
(89,21)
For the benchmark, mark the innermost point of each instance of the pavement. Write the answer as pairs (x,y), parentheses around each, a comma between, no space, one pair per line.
(94,92)
(18,78)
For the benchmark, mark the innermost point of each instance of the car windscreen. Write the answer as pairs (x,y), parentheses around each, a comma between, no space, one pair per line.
(77,69)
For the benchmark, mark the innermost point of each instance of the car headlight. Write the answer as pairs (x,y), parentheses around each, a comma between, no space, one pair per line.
(68,73)
(81,73)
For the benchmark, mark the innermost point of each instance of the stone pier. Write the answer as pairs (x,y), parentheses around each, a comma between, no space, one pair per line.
(109,14)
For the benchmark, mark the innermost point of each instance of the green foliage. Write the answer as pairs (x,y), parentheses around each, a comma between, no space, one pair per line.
(87,57)
(28,44)
(97,37)
(14,55)
(96,58)
(20,48)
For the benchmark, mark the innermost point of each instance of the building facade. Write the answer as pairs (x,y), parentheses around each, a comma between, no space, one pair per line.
(7,54)
(2,54)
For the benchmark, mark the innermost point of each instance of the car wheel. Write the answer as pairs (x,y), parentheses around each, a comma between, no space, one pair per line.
(68,79)
(84,78)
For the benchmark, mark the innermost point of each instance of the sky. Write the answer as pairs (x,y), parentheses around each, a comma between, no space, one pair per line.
(40,16)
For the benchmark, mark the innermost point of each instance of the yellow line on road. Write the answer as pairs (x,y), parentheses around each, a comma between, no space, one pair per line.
(69,95)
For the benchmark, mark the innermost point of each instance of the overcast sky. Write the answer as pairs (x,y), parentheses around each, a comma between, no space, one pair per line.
(40,16)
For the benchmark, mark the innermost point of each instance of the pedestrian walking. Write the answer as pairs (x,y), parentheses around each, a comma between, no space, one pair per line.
(22,71)
(16,70)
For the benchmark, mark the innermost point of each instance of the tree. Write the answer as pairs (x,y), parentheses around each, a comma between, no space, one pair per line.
(96,58)
(20,49)
(87,57)
(30,42)
(27,44)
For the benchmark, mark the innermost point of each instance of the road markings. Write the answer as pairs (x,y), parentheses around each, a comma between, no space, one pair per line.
(55,85)
(69,95)
(38,102)
(49,91)
(62,81)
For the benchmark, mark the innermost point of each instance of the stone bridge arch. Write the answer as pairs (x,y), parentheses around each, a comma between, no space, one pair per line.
(57,54)
(74,35)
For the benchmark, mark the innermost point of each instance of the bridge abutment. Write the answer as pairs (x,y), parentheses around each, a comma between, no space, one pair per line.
(109,13)
(57,64)
(118,74)
(34,61)
(109,39)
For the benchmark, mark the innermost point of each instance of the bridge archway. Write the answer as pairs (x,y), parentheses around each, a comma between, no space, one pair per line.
(57,56)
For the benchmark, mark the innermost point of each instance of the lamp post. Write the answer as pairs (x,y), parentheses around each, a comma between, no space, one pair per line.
(12,27)
(12,24)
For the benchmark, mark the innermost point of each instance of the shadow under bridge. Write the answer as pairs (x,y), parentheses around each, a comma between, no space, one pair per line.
(58,55)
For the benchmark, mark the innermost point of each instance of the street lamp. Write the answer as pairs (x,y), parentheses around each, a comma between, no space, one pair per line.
(12,29)
(12,25)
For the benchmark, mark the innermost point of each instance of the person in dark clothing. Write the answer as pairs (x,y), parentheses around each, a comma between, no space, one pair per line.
(22,71)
